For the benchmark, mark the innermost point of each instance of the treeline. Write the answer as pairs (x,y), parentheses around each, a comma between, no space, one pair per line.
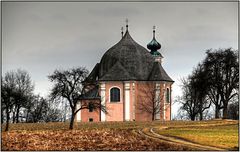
(214,83)
(20,104)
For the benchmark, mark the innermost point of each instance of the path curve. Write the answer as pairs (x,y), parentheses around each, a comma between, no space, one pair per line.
(187,143)
(152,134)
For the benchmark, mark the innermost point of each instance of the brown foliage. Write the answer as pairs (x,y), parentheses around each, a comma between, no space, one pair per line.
(92,139)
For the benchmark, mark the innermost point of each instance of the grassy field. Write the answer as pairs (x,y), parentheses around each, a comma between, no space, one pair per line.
(222,135)
(117,135)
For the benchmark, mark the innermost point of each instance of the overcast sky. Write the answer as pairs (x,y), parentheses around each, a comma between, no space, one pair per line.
(43,36)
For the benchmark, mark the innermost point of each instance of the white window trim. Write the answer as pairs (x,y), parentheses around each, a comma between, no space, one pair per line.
(109,93)
(127,105)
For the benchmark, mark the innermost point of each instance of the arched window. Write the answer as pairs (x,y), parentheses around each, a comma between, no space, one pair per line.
(168,96)
(115,95)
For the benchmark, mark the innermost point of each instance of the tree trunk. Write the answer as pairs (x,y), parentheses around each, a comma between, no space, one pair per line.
(14,116)
(27,116)
(7,119)
(217,110)
(200,110)
(153,116)
(225,112)
(72,120)
(2,116)
(201,116)
(192,117)
(17,114)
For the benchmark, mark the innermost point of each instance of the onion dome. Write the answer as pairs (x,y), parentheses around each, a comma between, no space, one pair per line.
(154,45)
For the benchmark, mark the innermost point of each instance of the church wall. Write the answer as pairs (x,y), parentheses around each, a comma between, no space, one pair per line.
(139,92)
(142,95)
(167,113)
(115,109)
(86,115)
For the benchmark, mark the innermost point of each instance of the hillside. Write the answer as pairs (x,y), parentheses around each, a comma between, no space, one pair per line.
(169,135)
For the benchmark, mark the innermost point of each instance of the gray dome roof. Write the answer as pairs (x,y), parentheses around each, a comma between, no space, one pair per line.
(127,60)
(135,59)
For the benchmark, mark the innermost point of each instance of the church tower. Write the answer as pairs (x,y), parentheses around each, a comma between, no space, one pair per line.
(154,46)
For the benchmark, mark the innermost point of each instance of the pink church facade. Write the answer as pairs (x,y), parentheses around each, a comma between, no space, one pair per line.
(130,83)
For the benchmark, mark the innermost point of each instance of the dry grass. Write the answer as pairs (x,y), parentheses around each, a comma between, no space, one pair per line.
(224,135)
(90,136)
(103,139)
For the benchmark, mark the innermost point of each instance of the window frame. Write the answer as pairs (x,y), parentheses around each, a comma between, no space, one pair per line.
(115,87)
(168,95)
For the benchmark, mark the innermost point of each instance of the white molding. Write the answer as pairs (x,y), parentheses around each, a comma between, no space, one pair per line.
(103,100)
(133,101)
(79,112)
(127,100)
(157,95)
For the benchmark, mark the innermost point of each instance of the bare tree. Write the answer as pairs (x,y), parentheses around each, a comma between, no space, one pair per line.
(194,99)
(222,67)
(199,84)
(28,107)
(189,100)
(181,115)
(233,108)
(8,90)
(39,109)
(24,89)
(69,85)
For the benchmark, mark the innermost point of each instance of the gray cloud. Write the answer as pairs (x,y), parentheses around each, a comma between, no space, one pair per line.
(41,37)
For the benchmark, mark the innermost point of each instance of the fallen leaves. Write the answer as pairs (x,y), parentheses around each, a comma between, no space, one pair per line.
(89,136)
(94,139)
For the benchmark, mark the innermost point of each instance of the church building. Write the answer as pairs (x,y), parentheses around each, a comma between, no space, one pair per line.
(130,83)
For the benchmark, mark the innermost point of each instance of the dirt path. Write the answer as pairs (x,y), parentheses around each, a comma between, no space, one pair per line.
(150,133)
(182,141)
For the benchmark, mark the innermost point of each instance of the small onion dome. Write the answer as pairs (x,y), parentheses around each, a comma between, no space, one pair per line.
(154,45)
